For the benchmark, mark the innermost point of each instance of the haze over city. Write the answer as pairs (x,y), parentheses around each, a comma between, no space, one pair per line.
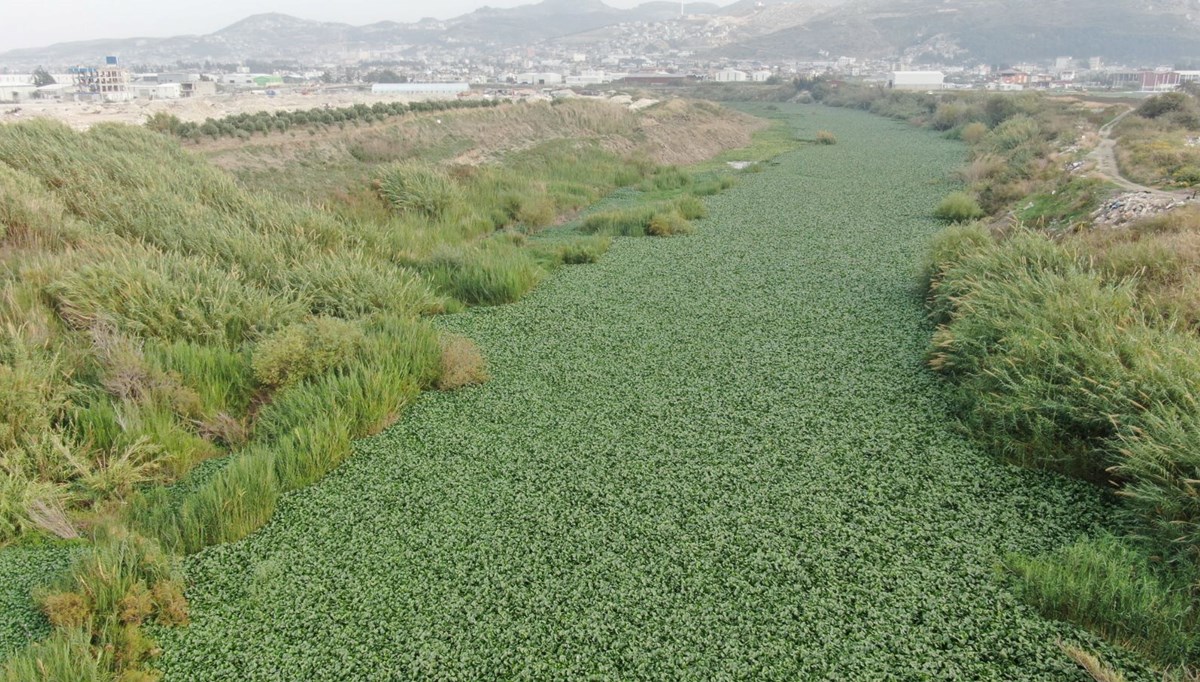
(44,22)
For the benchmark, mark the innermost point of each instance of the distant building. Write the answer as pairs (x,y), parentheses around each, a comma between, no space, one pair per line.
(654,79)
(761,76)
(156,90)
(251,80)
(18,92)
(730,76)
(917,80)
(422,90)
(1014,77)
(108,83)
(533,78)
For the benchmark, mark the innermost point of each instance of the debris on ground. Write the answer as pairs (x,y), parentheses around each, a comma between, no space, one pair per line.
(1124,209)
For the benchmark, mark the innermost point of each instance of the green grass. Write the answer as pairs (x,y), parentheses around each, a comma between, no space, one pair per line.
(719,457)
(1054,363)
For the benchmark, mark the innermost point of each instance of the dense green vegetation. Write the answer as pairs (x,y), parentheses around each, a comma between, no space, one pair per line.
(1074,350)
(1058,360)
(702,458)
(160,324)
(243,126)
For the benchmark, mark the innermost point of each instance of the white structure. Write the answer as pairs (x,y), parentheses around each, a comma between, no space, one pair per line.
(918,80)
(540,78)
(17,92)
(730,76)
(589,78)
(157,90)
(421,90)
(761,76)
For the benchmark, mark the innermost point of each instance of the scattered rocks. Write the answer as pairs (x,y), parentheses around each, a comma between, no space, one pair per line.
(1129,208)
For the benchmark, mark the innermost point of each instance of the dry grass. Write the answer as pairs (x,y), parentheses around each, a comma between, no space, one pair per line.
(50,517)
(1094,666)
(462,364)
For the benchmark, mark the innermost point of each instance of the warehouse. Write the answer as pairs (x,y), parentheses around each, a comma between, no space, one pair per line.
(917,80)
(421,90)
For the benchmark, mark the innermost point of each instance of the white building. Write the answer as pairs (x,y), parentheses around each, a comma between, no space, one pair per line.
(157,90)
(534,78)
(17,92)
(421,90)
(761,76)
(730,76)
(589,78)
(918,80)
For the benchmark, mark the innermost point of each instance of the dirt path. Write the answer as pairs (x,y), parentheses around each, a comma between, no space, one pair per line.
(1105,157)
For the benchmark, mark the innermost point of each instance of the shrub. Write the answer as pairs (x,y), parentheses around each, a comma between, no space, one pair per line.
(492,274)
(667,224)
(958,207)
(305,350)
(538,212)
(826,137)
(411,187)
(462,364)
(1187,176)
(691,208)
(973,133)
(1165,103)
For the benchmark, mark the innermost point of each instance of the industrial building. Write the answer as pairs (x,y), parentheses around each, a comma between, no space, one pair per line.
(108,83)
(731,76)
(917,80)
(421,90)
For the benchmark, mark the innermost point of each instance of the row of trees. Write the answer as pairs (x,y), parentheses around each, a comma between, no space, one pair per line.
(263,122)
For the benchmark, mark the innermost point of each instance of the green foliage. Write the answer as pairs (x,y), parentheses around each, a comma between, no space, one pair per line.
(1166,103)
(306,350)
(409,186)
(706,458)
(958,207)
(1053,364)
(250,123)
(1110,586)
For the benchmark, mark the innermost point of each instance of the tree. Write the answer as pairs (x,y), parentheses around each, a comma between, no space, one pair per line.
(385,76)
(42,77)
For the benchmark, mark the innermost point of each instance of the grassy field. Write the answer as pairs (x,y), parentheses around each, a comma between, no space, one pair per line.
(711,457)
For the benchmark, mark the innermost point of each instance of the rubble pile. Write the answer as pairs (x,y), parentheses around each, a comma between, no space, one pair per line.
(1128,208)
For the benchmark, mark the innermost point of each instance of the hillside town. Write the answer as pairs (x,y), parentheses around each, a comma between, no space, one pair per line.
(109,81)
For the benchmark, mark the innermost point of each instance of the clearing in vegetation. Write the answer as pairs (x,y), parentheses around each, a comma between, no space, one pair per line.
(718,456)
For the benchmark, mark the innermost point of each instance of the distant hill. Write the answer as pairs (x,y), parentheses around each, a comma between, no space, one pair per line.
(279,36)
(1137,31)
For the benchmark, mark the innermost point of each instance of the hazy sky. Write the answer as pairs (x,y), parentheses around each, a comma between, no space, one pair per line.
(34,23)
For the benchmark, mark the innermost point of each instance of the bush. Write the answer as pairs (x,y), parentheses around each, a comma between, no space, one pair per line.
(305,350)
(973,133)
(492,274)
(462,364)
(691,208)
(411,187)
(1188,176)
(1165,103)
(646,219)
(958,207)
(825,137)
(668,224)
